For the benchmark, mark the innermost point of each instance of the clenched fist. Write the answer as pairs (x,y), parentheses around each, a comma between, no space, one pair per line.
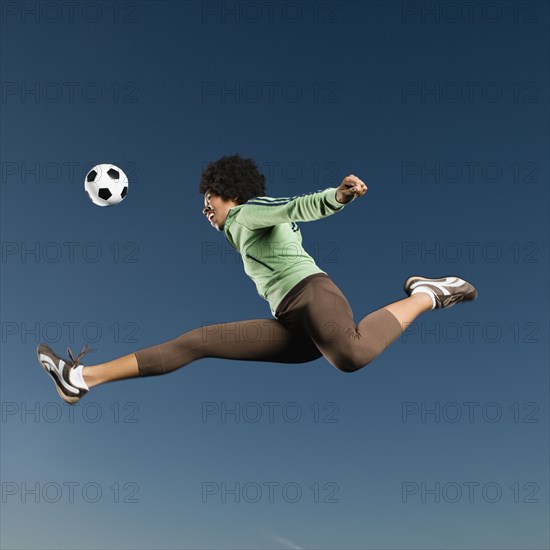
(350,188)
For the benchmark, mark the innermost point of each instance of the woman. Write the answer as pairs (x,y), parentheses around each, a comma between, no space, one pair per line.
(312,318)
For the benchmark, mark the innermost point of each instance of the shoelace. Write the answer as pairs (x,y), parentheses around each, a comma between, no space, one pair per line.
(84,351)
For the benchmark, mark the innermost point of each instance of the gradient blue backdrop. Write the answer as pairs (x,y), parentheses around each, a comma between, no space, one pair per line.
(368,88)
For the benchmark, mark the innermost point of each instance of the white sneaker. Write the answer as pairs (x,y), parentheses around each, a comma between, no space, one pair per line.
(444,292)
(60,371)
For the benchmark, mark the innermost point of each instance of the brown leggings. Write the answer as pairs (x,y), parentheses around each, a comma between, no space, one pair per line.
(314,319)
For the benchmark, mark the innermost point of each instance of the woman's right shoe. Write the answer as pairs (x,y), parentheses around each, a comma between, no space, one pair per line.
(445,292)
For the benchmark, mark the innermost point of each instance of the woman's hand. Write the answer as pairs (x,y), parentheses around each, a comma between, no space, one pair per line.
(349,189)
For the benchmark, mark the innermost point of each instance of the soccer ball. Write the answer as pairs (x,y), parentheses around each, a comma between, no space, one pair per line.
(106,184)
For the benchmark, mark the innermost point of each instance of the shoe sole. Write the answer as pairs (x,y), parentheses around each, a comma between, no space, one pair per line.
(471,295)
(65,397)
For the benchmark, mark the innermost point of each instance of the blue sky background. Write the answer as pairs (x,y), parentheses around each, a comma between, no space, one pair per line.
(388,91)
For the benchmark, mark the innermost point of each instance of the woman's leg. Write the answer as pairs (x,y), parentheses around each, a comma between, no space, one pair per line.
(118,369)
(252,340)
(326,315)
(408,309)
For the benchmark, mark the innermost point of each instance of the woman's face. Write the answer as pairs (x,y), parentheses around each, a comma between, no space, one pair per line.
(216,209)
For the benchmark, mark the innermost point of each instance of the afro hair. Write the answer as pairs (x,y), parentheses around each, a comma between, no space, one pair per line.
(231,177)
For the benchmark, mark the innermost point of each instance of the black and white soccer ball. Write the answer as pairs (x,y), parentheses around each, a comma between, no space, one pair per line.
(106,184)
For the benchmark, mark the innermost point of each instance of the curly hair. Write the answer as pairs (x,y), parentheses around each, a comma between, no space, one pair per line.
(232,177)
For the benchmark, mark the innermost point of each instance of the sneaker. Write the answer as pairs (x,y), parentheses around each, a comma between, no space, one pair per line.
(60,370)
(444,292)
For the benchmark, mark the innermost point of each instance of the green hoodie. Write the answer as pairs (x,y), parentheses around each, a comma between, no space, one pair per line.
(265,233)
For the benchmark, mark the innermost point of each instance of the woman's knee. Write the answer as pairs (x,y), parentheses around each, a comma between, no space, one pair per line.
(169,356)
(352,360)
(345,365)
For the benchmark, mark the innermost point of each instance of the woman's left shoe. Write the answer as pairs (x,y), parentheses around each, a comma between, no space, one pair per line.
(60,369)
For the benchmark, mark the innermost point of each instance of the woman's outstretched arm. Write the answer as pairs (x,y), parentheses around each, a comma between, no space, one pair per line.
(267,211)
